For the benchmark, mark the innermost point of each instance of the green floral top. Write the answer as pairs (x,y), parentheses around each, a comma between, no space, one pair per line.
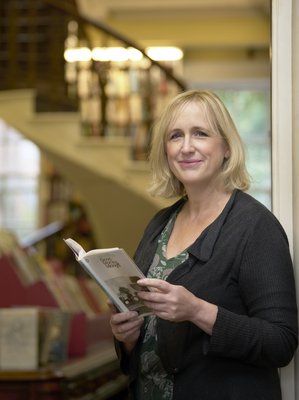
(153,380)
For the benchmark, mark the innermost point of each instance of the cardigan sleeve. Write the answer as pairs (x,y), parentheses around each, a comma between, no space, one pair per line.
(268,334)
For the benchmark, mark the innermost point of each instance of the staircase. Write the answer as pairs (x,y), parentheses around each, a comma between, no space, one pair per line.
(34,100)
(112,186)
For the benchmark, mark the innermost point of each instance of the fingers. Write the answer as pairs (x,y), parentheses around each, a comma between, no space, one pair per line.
(155,284)
(167,301)
(150,298)
(126,326)
(159,291)
(121,317)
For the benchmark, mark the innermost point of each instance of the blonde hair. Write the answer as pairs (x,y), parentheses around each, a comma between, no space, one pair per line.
(234,173)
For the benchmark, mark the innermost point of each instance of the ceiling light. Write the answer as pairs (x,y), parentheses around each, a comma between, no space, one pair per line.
(77,54)
(119,54)
(164,53)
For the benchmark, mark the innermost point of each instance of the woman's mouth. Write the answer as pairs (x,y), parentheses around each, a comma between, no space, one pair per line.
(189,163)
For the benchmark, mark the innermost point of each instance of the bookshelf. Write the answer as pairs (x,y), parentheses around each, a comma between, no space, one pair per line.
(28,279)
(94,377)
(32,290)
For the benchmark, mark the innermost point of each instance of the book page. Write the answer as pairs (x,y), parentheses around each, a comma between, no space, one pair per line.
(120,274)
(115,272)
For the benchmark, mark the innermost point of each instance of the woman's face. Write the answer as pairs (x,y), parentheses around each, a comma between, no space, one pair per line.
(195,154)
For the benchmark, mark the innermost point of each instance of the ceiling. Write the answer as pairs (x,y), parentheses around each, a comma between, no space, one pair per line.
(208,31)
(168,8)
(190,23)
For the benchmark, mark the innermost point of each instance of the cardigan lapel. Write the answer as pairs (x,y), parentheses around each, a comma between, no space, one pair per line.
(203,247)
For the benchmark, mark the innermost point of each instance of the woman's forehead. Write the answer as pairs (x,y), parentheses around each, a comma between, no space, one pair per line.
(182,108)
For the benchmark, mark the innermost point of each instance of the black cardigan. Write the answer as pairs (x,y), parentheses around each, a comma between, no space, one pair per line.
(241,263)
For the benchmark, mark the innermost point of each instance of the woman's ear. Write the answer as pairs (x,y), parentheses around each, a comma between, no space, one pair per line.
(227,154)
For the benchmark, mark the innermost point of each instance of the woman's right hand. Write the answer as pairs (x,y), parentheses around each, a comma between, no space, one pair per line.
(125,326)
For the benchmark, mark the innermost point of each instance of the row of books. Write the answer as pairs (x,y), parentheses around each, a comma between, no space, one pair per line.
(72,293)
(38,297)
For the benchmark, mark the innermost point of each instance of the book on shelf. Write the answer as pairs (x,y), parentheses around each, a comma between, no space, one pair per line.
(32,336)
(19,338)
(116,273)
(54,336)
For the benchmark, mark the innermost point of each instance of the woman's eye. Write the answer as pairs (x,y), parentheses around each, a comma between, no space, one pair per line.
(200,133)
(175,135)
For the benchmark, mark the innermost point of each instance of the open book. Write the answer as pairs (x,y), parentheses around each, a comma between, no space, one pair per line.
(115,271)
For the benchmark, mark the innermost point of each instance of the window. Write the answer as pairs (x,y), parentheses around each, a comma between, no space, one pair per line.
(19,175)
(250,110)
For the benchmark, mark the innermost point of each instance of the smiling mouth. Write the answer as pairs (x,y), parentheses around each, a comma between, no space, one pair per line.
(190,162)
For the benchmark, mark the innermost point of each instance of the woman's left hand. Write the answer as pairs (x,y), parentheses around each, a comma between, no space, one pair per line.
(176,303)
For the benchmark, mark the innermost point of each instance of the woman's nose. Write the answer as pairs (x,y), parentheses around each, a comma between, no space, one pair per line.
(187,144)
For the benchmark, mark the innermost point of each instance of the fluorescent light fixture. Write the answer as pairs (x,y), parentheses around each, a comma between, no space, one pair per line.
(100,54)
(122,54)
(134,54)
(77,54)
(110,54)
(116,54)
(164,53)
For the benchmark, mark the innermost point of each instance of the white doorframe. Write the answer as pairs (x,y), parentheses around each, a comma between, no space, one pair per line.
(282,162)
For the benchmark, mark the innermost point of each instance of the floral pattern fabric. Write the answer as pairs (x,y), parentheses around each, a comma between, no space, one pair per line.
(154,382)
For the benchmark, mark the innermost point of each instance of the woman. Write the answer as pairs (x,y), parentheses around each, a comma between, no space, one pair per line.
(218,267)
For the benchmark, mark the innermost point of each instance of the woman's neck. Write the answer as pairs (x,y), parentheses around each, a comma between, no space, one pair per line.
(195,216)
(211,200)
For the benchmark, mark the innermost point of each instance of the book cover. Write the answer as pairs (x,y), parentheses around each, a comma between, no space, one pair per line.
(115,271)
(19,338)
(54,336)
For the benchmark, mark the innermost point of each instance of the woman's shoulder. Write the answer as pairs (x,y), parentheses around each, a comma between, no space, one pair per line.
(245,201)
(250,210)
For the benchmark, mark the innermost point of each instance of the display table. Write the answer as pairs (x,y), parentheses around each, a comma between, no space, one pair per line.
(93,377)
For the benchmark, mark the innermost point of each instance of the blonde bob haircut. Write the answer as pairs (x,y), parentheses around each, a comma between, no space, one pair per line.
(234,173)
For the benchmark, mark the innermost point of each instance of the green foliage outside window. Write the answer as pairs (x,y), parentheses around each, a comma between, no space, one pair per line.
(251,113)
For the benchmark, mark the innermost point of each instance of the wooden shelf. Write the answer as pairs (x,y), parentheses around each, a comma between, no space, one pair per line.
(95,376)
